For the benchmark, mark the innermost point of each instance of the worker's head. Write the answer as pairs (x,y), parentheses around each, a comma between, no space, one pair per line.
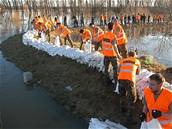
(115,20)
(39,16)
(91,24)
(110,26)
(58,24)
(132,54)
(156,82)
(55,19)
(81,31)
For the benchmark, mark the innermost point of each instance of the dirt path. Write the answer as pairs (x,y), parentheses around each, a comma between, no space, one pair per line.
(90,97)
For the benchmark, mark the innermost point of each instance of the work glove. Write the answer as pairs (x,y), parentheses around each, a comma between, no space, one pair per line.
(142,116)
(156,113)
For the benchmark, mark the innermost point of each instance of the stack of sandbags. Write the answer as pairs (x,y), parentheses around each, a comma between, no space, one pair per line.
(97,124)
(142,81)
(94,59)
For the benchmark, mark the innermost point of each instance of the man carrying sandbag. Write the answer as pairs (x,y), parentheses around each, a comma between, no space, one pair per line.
(96,33)
(64,32)
(157,102)
(110,52)
(128,68)
(121,38)
(85,36)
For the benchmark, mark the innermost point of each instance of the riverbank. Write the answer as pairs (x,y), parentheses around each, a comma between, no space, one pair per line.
(90,96)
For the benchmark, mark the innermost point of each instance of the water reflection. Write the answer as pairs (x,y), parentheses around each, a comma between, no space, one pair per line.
(151,39)
(23,107)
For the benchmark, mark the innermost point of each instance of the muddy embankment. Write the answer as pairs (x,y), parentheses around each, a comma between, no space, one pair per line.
(90,95)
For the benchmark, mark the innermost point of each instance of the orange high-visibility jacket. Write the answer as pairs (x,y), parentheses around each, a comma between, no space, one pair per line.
(48,25)
(120,34)
(128,69)
(39,28)
(86,35)
(97,31)
(107,44)
(102,17)
(105,17)
(35,24)
(63,31)
(162,104)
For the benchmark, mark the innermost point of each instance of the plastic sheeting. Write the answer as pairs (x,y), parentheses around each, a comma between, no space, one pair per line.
(97,124)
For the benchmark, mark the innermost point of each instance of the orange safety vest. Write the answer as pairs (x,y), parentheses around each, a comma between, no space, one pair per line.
(107,46)
(122,17)
(43,27)
(120,35)
(63,30)
(86,35)
(162,104)
(105,17)
(102,17)
(48,25)
(36,24)
(97,31)
(40,20)
(128,69)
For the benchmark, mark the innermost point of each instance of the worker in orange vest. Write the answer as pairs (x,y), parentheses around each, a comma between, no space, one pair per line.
(35,22)
(110,52)
(48,26)
(101,20)
(64,32)
(40,28)
(96,33)
(128,68)
(157,102)
(85,36)
(121,38)
(105,19)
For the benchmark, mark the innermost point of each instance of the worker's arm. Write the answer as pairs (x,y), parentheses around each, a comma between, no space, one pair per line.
(143,115)
(138,70)
(116,49)
(138,66)
(118,70)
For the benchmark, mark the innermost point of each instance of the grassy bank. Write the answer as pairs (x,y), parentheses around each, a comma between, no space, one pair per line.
(90,97)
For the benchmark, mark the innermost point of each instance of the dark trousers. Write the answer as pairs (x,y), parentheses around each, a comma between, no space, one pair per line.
(128,95)
(48,34)
(68,38)
(96,45)
(113,61)
(122,50)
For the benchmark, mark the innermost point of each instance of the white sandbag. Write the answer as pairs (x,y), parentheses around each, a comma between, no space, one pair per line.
(88,47)
(43,37)
(153,124)
(97,124)
(57,41)
(142,82)
(167,85)
(117,88)
(92,59)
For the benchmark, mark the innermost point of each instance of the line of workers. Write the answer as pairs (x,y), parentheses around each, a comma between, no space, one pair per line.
(112,44)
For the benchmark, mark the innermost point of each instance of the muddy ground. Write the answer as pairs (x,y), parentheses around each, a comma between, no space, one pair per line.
(90,97)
